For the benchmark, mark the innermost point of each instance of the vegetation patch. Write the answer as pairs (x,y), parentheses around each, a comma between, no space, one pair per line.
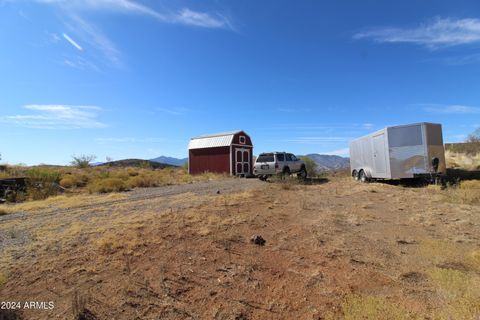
(460,293)
(3,279)
(108,185)
(461,160)
(356,307)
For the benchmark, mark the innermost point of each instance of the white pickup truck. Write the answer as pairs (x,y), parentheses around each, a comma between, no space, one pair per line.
(276,163)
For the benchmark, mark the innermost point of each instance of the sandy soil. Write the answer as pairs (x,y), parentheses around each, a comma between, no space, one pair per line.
(188,254)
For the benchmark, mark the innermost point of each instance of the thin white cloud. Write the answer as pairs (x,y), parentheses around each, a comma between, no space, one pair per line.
(57,117)
(80,63)
(173,111)
(293,110)
(439,32)
(199,19)
(72,42)
(97,39)
(184,16)
(339,152)
(128,140)
(462,60)
(318,140)
(452,109)
(367,126)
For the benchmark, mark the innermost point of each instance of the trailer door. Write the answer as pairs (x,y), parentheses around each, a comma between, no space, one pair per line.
(379,156)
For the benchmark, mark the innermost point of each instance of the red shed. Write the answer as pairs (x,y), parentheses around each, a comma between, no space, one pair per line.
(227,152)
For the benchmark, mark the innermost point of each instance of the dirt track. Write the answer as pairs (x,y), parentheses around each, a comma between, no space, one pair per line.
(188,255)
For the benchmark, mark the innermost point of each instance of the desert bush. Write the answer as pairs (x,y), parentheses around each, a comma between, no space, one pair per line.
(142,181)
(68,181)
(311,166)
(82,161)
(107,185)
(132,172)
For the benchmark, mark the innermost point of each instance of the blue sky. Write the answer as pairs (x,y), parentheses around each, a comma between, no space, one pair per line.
(124,78)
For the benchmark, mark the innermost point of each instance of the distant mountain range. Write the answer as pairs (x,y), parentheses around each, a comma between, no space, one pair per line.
(329,162)
(323,161)
(170,160)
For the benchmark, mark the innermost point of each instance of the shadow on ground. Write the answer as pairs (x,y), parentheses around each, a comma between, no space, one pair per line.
(306,181)
(460,174)
(10,315)
(453,176)
(311,181)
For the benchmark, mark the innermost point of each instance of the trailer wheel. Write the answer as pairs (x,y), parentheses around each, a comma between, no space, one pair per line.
(363,176)
(355,175)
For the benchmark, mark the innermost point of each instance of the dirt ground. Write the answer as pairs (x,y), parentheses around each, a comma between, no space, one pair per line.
(334,248)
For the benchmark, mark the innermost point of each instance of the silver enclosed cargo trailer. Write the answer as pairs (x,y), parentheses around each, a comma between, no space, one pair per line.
(399,152)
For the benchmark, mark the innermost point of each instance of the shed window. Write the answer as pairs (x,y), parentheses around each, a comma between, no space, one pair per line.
(242,139)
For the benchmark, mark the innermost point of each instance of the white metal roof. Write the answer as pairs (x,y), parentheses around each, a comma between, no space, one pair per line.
(223,139)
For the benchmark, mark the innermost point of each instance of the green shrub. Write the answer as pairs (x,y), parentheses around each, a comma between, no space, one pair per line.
(311,166)
(43,175)
(107,185)
(82,161)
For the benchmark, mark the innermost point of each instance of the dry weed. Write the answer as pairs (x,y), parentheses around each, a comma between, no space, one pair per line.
(356,307)
(462,160)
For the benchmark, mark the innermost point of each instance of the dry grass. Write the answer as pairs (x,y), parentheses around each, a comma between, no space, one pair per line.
(462,160)
(357,307)
(472,259)
(439,251)
(3,279)
(108,185)
(460,293)
(44,180)
(60,202)
(467,192)
(463,195)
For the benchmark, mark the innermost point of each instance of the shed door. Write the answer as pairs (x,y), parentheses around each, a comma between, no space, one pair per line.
(242,161)
(379,154)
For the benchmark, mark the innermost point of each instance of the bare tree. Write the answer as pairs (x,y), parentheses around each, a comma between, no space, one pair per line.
(473,138)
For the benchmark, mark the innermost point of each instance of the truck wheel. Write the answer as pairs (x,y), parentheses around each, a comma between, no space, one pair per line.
(363,176)
(355,175)
(302,174)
